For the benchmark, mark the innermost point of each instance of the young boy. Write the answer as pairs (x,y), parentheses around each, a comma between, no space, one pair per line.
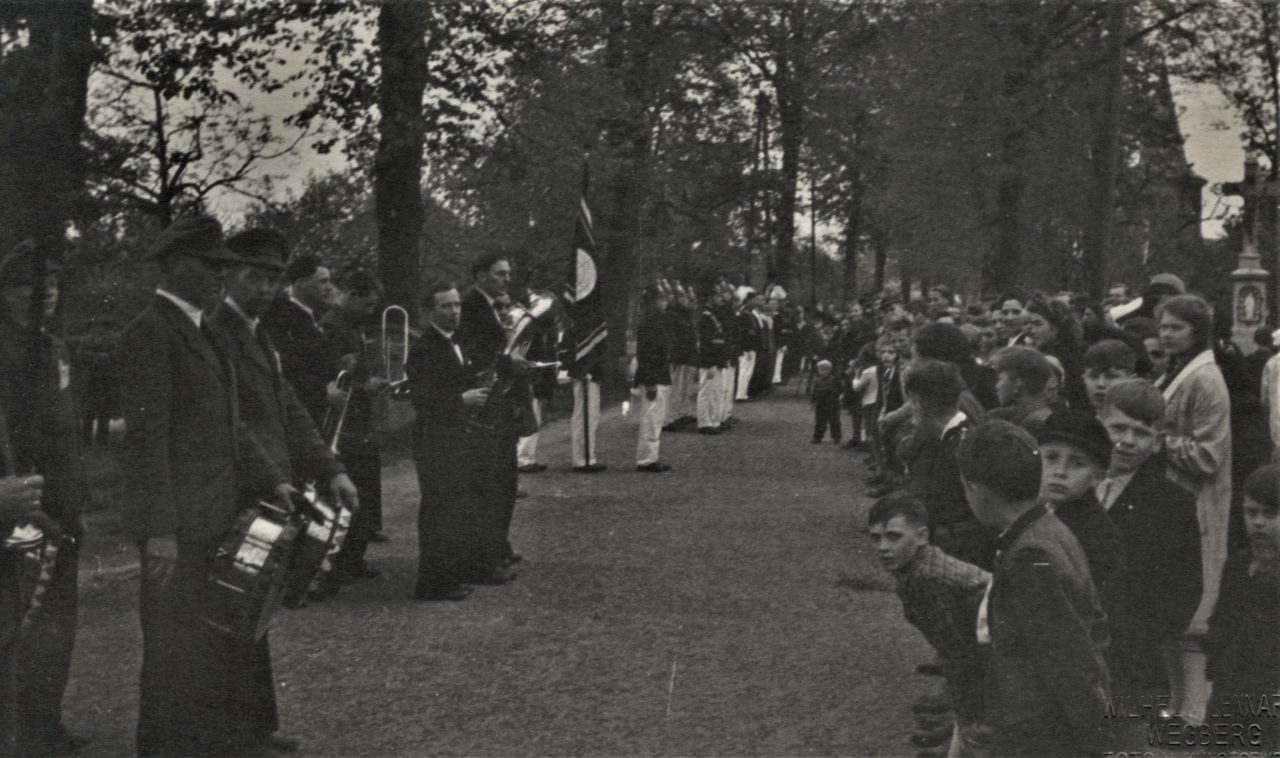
(826,404)
(1242,644)
(929,456)
(1023,377)
(1157,523)
(1106,363)
(940,596)
(1076,451)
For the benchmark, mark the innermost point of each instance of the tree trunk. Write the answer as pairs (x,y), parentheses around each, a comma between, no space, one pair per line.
(1106,148)
(881,249)
(42,114)
(397,168)
(1002,268)
(852,232)
(791,121)
(628,47)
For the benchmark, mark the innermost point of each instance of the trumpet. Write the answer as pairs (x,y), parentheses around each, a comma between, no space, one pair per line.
(332,425)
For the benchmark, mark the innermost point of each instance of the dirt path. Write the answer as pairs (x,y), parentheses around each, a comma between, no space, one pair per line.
(729,607)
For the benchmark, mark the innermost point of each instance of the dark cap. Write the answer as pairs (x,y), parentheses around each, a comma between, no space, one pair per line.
(1079,429)
(1002,456)
(18,267)
(264,248)
(199,236)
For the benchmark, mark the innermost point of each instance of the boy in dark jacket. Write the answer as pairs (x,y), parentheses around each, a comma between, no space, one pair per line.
(929,455)
(1076,451)
(826,403)
(1161,536)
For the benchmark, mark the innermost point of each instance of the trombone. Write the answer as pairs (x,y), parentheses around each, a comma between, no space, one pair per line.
(332,424)
(395,344)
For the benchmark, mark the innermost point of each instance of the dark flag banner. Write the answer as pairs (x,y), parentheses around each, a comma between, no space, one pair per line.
(586,306)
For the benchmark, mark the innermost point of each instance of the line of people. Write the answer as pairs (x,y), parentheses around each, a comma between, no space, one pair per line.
(1056,513)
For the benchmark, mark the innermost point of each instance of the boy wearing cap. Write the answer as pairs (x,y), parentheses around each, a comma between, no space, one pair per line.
(1161,537)
(1076,451)
(1106,363)
(1047,682)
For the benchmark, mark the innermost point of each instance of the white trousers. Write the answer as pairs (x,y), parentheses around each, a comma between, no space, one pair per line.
(652,416)
(576,431)
(726,397)
(746,367)
(527,447)
(710,396)
(777,365)
(682,401)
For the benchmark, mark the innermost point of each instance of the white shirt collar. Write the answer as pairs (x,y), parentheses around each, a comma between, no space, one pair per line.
(300,304)
(234,306)
(192,312)
(955,421)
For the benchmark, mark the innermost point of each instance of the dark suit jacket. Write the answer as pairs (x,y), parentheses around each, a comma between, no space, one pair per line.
(713,343)
(1046,675)
(270,408)
(1161,535)
(185,450)
(480,333)
(1104,548)
(653,352)
(436,383)
(304,354)
(750,333)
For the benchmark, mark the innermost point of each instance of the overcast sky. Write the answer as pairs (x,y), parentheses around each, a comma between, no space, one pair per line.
(1212,132)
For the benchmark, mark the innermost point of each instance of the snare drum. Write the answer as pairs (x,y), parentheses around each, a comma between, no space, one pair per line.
(317,540)
(36,557)
(249,571)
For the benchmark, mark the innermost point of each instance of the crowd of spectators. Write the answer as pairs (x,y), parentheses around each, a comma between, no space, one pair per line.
(1105,468)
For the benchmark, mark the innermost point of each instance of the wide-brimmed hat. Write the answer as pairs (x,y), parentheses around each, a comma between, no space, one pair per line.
(198,236)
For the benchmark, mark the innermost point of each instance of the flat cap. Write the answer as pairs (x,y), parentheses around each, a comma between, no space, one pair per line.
(1080,430)
(264,248)
(199,236)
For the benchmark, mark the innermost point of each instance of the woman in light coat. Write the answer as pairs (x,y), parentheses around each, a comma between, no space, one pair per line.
(1198,445)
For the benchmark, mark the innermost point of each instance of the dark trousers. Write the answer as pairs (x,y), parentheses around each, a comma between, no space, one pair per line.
(447,530)
(364,467)
(827,417)
(10,619)
(490,486)
(44,657)
(202,692)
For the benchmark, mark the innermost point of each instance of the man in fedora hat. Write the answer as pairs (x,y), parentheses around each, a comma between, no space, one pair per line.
(189,461)
(37,404)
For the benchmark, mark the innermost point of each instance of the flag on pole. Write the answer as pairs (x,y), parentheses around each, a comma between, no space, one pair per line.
(586,306)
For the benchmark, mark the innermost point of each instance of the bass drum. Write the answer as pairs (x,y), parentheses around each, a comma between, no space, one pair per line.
(249,571)
(320,539)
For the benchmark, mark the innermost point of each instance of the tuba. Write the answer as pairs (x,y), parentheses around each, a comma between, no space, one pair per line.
(500,378)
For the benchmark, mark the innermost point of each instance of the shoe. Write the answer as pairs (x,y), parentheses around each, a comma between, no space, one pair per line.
(708,430)
(65,743)
(850,445)
(495,578)
(532,468)
(657,467)
(876,478)
(932,737)
(725,426)
(454,595)
(379,536)
(590,468)
(931,704)
(324,590)
(836,440)
(930,668)
(280,744)
(521,494)
(344,577)
(512,560)
(816,442)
